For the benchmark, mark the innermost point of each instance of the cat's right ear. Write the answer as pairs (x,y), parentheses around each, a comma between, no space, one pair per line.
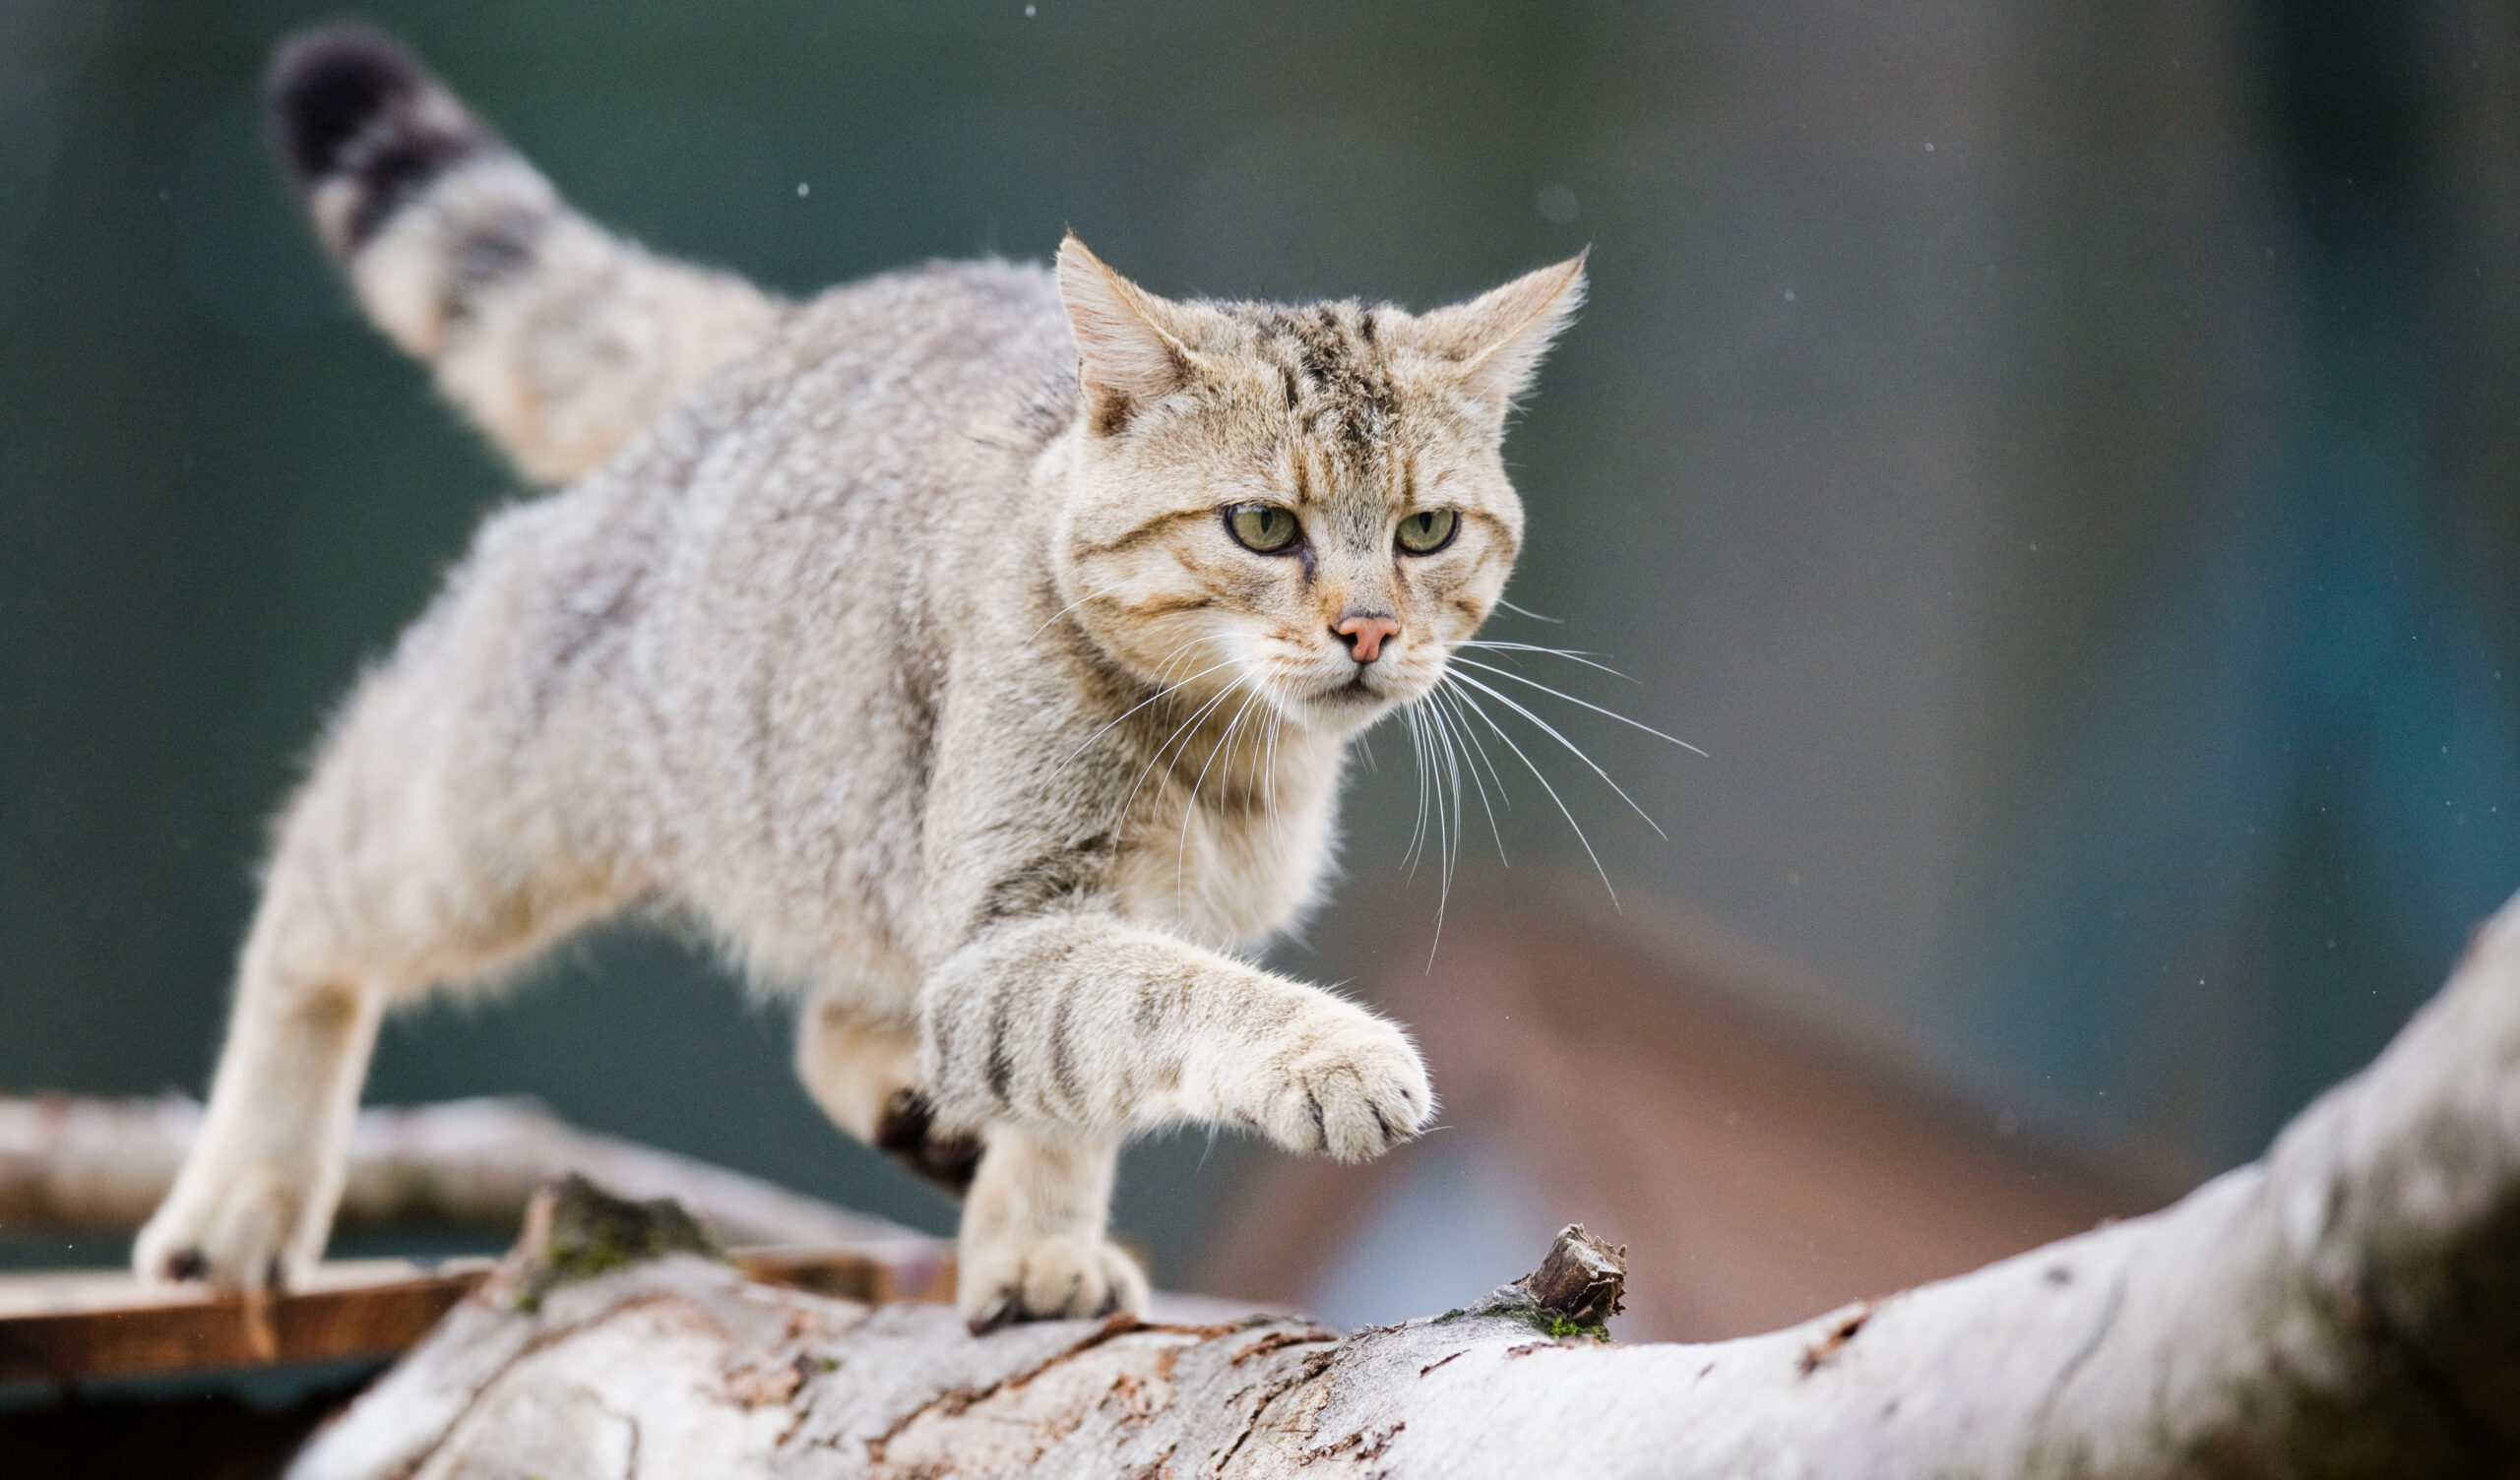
(1126,359)
(1497,340)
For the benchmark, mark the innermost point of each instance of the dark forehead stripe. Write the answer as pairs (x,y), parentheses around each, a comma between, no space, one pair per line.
(1337,383)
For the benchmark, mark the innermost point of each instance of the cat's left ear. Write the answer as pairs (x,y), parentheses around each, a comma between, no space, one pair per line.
(1499,337)
(1127,360)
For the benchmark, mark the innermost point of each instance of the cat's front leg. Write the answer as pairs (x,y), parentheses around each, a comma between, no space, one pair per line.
(1032,1245)
(1062,1034)
(1090,1023)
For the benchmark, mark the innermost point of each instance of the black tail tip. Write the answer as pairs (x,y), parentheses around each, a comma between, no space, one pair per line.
(350,102)
(327,86)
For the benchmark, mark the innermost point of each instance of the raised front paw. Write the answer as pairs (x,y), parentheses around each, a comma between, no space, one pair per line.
(1348,1084)
(234,1230)
(1056,1279)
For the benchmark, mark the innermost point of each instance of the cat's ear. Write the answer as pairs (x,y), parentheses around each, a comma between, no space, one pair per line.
(1499,337)
(1126,358)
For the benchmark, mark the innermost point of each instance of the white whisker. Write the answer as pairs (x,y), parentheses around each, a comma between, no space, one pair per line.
(1189,810)
(1569,654)
(1454,724)
(1064,610)
(1417,759)
(1571,699)
(1536,775)
(1277,727)
(1455,699)
(1451,845)
(1160,693)
(1572,748)
(1186,727)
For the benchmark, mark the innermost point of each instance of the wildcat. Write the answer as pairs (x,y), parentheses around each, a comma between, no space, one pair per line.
(970,652)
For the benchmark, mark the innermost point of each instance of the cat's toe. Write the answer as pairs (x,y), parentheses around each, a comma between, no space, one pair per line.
(1355,1091)
(1058,1278)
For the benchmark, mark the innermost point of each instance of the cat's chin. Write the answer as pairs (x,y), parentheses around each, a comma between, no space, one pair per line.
(1349,705)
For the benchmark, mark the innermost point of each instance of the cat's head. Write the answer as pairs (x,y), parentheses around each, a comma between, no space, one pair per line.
(1308,503)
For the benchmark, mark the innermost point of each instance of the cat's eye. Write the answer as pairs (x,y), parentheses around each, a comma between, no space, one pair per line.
(1262,528)
(1426,532)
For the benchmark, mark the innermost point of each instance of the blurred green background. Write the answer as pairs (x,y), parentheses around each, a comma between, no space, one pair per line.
(2056,461)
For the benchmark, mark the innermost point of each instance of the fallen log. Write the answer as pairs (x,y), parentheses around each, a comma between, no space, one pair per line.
(2348,1304)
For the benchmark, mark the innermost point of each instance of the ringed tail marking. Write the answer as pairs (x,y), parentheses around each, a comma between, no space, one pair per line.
(560,340)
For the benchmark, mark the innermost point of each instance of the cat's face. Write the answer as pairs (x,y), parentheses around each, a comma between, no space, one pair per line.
(1307,507)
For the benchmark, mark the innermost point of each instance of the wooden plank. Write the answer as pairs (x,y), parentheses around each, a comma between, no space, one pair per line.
(74,1325)
(54,1327)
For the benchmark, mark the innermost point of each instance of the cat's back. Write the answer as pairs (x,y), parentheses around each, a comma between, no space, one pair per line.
(882,412)
(838,484)
(905,365)
(815,473)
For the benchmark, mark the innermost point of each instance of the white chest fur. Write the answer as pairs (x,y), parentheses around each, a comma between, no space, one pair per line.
(1231,874)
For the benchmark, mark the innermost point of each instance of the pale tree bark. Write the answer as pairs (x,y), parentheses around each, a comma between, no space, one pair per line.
(78,1163)
(2348,1306)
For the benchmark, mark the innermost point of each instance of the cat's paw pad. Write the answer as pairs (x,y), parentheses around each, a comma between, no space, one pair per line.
(1352,1086)
(1056,1279)
(231,1231)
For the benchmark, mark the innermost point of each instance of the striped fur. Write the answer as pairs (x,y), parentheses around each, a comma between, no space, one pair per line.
(910,654)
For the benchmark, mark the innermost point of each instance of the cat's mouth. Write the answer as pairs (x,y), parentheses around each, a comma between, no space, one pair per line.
(1357,693)
(1357,697)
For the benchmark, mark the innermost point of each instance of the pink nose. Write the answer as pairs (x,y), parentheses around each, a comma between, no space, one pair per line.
(1364,633)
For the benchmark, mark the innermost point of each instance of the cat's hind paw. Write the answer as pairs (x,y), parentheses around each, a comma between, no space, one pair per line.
(232,1232)
(1058,1278)
(907,1131)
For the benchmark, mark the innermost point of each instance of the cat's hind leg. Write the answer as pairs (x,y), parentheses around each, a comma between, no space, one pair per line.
(253,1202)
(382,884)
(866,1079)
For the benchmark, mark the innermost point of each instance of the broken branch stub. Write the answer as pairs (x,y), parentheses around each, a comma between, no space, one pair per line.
(576,1230)
(1583,1278)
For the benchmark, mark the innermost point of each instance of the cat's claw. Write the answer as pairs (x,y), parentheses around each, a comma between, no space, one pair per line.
(1058,1278)
(1353,1088)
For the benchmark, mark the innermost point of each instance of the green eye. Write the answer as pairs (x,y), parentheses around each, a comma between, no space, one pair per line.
(1262,528)
(1426,533)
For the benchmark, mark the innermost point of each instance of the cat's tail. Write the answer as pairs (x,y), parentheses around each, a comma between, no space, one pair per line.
(560,340)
